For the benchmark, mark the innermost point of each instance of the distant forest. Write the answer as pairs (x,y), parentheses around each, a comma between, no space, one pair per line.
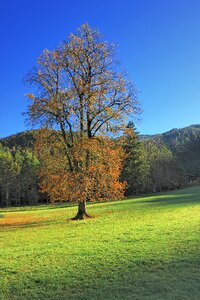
(155,163)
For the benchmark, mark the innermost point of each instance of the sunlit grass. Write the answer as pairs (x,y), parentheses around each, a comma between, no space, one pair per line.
(142,248)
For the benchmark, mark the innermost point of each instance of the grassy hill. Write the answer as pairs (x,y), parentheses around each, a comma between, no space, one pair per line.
(142,248)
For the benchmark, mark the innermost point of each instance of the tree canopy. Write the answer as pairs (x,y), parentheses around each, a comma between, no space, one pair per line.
(84,97)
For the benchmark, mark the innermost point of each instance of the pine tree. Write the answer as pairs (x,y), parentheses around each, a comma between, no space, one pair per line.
(136,167)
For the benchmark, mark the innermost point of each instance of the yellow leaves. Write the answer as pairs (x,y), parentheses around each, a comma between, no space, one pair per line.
(30,96)
(55,54)
(99,46)
(39,73)
(129,131)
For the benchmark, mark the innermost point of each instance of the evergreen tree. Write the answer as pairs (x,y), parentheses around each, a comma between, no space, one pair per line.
(18,177)
(136,167)
(7,176)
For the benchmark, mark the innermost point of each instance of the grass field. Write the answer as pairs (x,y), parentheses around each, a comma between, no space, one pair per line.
(142,248)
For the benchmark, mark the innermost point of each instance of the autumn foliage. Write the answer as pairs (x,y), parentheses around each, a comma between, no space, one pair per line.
(83,97)
(99,163)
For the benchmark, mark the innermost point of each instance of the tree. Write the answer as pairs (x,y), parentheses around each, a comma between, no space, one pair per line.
(27,176)
(81,94)
(7,175)
(136,167)
(18,177)
(97,181)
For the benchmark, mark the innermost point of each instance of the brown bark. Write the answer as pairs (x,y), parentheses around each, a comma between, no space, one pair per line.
(82,213)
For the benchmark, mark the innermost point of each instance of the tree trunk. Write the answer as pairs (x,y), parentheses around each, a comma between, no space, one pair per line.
(81,211)
(7,194)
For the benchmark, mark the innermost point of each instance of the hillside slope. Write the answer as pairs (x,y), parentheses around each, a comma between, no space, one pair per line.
(24,139)
(176,139)
(184,144)
(179,139)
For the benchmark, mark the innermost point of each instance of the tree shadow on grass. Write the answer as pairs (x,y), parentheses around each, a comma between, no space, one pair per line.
(173,199)
(160,199)
(139,279)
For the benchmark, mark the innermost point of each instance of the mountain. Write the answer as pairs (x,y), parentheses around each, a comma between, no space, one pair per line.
(183,142)
(179,139)
(185,146)
(23,139)
(176,139)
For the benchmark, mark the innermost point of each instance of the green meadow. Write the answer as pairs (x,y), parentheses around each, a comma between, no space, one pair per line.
(141,248)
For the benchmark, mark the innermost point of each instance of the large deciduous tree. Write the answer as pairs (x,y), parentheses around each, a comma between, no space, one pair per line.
(81,94)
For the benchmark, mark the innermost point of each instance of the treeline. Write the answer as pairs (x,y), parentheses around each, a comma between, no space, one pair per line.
(19,183)
(149,166)
(184,144)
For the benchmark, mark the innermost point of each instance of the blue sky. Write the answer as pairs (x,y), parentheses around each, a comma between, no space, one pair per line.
(158,43)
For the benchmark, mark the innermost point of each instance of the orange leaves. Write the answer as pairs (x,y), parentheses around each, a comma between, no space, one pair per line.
(92,169)
(97,164)
(81,93)
(21,219)
(30,96)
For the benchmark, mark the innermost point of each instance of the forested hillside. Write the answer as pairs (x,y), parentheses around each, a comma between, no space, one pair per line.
(179,139)
(176,140)
(21,140)
(185,146)
(154,163)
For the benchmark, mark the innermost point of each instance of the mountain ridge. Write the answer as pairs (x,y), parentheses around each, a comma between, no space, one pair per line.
(175,139)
